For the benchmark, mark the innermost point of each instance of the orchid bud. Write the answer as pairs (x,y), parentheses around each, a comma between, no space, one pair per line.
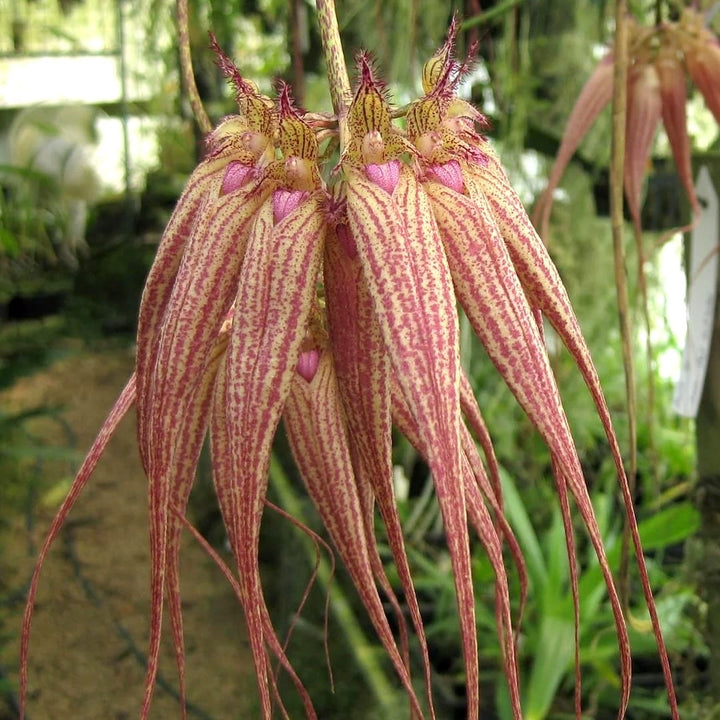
(307,364)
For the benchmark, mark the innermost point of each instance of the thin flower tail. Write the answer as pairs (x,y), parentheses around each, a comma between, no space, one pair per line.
(490,292)
(194,428)
(363,372)
(489,486)
(545,290)
(474,479)
(200,300)
(223,467)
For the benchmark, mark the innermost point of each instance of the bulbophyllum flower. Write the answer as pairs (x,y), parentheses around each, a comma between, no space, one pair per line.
(661,61)
(701,50)
(273,298)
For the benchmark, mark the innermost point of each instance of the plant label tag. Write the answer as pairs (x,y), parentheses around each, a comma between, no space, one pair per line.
(702,288)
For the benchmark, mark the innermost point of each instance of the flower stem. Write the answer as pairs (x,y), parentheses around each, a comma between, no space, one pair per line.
(186,69)
(340,92)
(617,161)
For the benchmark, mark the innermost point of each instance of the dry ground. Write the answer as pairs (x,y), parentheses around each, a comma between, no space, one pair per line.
(90,621)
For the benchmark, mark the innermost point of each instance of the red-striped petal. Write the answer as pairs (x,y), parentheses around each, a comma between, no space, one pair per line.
(362,368)
(276,291)
(314,422)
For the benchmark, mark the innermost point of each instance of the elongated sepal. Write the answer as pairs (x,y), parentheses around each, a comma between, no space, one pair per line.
(275,294)
(362,368)
(496,305)
(193,210)
(411,289)
(594,96)
(261,633)
(314,422)
(643,118)
(201,297)
(544,288)
(192,431)
(474,480)
(673,97)
(702,59)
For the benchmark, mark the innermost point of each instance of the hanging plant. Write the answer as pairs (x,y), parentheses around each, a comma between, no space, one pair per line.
(275,296)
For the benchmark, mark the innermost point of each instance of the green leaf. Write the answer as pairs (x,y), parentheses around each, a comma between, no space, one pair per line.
(669,526)
(553,656)
(520,522)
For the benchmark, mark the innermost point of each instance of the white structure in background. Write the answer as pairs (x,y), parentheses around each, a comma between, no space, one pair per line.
(72,80)
(57,142)
(702,288)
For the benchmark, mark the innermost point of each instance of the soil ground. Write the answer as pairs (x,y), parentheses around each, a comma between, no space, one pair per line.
(90,626)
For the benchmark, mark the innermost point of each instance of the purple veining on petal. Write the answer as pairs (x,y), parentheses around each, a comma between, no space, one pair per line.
(285,201)
(384,175)
(236,175)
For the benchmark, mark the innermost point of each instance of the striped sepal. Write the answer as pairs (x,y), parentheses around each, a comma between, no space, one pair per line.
(495,303)
(363,370)
(314,421)
(411,290)
(276,291)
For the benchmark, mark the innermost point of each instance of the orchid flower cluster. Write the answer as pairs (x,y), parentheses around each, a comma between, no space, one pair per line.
(661,59)
(332,308)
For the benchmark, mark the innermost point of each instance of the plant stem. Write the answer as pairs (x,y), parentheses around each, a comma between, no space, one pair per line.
(340,92)
(617,161)
(186,70)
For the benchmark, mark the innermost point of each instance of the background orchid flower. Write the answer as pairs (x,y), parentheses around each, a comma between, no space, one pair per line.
(275,299)
(701,50)
(661,59)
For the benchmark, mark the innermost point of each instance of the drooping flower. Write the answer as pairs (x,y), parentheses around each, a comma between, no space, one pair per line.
(701,50)
(273,299)
(661,59)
